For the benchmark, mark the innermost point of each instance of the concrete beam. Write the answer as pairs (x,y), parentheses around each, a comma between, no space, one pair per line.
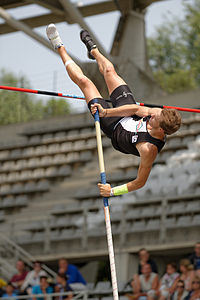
(33,22)
(12,3)
(57,15)
(20,26)
(12,22)
(75,14)
(142,4)
(54,6)
(94,253)
(104,6)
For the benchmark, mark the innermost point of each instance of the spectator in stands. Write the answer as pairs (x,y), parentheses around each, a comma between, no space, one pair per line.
(195,258)
(62,286)
(18,279)
(167,281)
(71,271)
(144,258)
(9,291)
(42,288)
(180,293)
(195,293)
(2,286)
(187,275)
(145,285)
(33,277)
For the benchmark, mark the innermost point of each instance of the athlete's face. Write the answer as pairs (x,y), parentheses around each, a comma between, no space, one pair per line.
(154,121)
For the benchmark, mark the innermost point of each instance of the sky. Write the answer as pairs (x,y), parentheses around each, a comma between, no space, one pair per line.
(23,56)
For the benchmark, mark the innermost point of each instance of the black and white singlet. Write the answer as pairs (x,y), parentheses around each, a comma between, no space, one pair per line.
(130,131)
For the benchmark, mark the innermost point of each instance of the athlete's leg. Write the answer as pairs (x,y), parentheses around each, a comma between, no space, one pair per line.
(105,66)
(75,73)
(112,79)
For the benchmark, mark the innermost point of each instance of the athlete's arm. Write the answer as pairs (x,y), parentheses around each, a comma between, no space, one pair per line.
(148,153)
(123,111)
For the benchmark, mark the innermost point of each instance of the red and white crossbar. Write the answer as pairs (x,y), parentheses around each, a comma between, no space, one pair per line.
(55,94)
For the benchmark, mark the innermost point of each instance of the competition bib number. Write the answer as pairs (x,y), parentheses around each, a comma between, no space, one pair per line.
(134,139)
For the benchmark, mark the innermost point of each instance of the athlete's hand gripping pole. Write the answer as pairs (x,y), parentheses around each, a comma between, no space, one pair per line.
(106,208)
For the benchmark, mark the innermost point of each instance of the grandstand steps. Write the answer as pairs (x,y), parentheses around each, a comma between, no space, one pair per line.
(57,195)
(74,199)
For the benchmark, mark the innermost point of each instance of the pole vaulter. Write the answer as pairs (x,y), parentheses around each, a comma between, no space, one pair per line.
(58,94)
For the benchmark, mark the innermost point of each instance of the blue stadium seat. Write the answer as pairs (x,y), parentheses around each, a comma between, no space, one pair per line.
(102,287)
(196,220)
(17,188)
(53,148)
(67,234)
(35,139)
(153,224)
(8,202)
(193,206)
(21,200)
(28,152)
(64,171)
(184,221)
(66,147)
(85,156)
(138,226)
(43,185)
(51,172)
(30,187)
(38,237)
(2,216)
(15,153)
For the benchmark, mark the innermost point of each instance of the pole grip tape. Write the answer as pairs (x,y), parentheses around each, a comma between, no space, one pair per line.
(103,181)
(103,177)
(96,115)
(105,201)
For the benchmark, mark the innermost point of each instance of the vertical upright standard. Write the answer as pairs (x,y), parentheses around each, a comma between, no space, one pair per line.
(106,208)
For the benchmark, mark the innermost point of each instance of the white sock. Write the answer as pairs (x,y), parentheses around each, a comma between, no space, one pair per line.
(68,62)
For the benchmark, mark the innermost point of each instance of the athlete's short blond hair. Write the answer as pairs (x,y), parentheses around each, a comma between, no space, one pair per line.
(170,120)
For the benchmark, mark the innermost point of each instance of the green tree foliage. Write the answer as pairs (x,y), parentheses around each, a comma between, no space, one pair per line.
(18,107)
(174,51)
(191,35)
(56,108)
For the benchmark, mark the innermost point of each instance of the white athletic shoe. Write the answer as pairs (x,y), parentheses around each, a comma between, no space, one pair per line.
(54,36)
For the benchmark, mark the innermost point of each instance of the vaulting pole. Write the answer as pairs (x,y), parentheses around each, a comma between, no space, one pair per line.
(106,208)
(54,94)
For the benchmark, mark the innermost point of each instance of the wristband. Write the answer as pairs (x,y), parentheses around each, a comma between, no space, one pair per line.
(111,193)
(120,190)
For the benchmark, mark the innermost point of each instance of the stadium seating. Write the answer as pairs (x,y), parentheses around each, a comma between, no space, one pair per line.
(48,186)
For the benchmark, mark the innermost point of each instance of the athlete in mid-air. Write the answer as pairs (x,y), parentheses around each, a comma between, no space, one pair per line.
(132,129)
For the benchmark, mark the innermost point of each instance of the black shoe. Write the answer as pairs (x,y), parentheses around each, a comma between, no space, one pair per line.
(89,43)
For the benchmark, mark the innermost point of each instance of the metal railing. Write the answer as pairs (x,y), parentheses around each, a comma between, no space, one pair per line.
(76,295)
(19,253)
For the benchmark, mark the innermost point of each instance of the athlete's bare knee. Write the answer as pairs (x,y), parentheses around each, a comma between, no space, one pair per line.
(109,69)
(83,81)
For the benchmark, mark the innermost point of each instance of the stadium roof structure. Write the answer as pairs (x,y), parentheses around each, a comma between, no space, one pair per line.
(128,52)
(63,11)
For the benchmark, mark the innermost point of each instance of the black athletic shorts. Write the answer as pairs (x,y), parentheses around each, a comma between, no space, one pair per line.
(122,95)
